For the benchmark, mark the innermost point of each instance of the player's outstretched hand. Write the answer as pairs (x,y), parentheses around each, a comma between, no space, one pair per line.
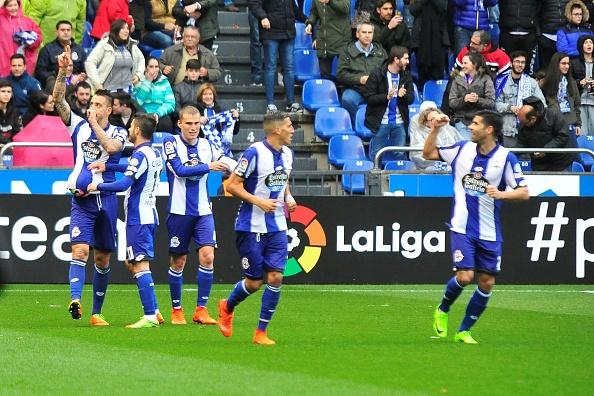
(268,205)
(97,167)
(64,58)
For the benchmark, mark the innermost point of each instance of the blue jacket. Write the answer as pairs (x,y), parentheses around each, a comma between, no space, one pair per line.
(21,87)
(472,14)
(568,37)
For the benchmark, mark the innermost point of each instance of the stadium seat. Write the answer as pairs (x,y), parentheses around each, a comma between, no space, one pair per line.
(306,64)
(577,167)
(156,53)
(302,40)
(145,48)
(355,183)
(413,109)
(399,165)
(342,148)
(334,66)
(331,121)
(319,93)
(158,137)
(87,41)
(434,90)
(7,160)
(586,142)
(526,165)
(360,129)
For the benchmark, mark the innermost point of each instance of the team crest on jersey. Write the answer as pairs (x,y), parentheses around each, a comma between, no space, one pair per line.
(458,256)
(133,162)
(75,232)
(276,181)
(91,151)
(245,263)
(174,242)
(475,184)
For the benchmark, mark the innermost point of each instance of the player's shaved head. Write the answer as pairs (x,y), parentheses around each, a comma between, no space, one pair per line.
(274,120)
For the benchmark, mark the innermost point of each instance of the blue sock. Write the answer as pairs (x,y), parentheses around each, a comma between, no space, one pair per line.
(76,277)
(238,294)
(452,291)
(176,281)
(146,290)
(476,306)
(270,299)
(204,280)
(100,281)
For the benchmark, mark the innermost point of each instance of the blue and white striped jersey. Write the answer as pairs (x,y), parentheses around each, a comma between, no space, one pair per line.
(266,173)
(474,213)
(87,150)
(187,174)
(144,167)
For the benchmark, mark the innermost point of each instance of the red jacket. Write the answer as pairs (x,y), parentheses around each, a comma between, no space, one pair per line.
(8,26)
(496,59)
(109,11)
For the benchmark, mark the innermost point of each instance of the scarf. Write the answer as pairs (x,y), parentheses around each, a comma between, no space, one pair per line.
(524,87)
(221,140)
(564,105)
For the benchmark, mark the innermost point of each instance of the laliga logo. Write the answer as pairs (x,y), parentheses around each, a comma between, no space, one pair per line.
(316,236)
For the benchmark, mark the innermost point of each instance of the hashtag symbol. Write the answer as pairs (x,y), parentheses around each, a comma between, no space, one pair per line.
(541,222)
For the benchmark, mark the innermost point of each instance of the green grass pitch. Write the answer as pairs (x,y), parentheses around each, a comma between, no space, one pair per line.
(331,340)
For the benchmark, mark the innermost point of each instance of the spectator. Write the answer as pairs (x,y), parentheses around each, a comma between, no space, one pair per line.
(256,61)
(388,92)
(389,28)
(159,23)
(115,63)
(356,62)
(108,12)
(47,62)
(472,91)
(22,83)
(137,9)
(70,81)
(186,91)
(551,19)
(420,126)
(332,20)
(48,13)
(79,99)
(41,103)
(201,14)
(230,6)
(429,38)
(567,37)
(92,7)
(561,93)
(14,28)
(518,22)
(496,60)
(155,95)
(218,126)
(122,111)
(277,32)
(583,74)
(10,117)
(469,16)
(173,60)
(511,90)
(544,127)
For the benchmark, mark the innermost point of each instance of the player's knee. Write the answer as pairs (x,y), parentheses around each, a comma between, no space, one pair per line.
(275,279)
(80,252)
(206,260)
(464,278)
(486,283)
(102,258)
(253,285)
(178,263)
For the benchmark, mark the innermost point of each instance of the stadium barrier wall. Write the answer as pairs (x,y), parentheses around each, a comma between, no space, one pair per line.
(346,240)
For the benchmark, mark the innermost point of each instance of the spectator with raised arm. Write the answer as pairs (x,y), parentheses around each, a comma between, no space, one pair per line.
(48,13)
(18,34)
(389,28)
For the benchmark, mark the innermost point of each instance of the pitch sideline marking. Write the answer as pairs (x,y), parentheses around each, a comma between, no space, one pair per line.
(326,290)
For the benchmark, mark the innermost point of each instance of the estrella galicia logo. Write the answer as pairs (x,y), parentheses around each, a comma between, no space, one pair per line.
(475,184)
(306,257)
(277,180)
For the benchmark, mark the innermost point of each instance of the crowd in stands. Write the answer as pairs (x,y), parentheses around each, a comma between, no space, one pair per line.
(495,54)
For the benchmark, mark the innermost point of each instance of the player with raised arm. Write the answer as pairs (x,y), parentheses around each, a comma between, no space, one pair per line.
(92,217)
(190,159)
(484,174)
(261,180)
(141,177)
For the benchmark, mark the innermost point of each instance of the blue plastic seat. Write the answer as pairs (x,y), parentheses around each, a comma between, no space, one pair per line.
(413,109)
(355,183)
(302,40)
(526,165)
(331,121)
(434,90)
(319,93)
(156,53)
(360,129)
(158,137)
(145,48)
(342,148)
(586,142)
(399,165)
(577,167)
(306,64)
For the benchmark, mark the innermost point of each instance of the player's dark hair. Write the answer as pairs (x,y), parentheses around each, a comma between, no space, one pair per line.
(63,22)
(492,119)
(105,94)
(146,123)
(273,119)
